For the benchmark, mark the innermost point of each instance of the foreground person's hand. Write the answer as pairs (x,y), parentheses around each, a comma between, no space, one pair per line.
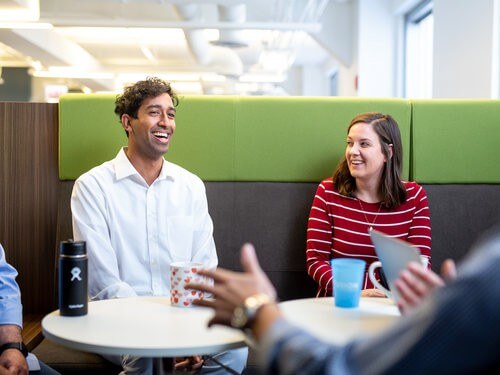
(231,289)
(416,282)
(12,361)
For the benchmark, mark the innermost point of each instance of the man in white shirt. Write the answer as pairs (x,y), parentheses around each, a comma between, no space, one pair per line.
(138,213)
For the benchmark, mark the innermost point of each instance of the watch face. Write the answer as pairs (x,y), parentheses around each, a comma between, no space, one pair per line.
(239,319)
(242,315)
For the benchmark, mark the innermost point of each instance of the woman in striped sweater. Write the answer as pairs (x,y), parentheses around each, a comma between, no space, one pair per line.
(366,191)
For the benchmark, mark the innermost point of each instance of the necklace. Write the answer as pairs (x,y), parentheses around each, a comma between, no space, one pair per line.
(366,217)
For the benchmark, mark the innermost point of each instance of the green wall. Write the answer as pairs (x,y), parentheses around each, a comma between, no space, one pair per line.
(230,138)
(292,139)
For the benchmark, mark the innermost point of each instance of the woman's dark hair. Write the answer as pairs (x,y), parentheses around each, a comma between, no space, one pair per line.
(133,96)
(392,188)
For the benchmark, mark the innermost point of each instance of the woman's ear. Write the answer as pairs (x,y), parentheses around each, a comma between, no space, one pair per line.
(391,150)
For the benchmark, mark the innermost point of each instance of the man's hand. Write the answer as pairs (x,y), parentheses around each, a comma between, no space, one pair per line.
(416,282)
(230,288)
(188,363)
(12,361)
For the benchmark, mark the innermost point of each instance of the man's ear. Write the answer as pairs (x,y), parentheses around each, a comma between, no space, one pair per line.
(126,122)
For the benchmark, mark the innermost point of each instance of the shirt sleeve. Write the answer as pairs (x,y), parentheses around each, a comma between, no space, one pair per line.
(10,295)
(203,242)
(319,241)
(420,228)
(88,208)
(287,349)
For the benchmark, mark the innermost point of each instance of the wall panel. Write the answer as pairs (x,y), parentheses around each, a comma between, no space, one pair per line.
(28,198)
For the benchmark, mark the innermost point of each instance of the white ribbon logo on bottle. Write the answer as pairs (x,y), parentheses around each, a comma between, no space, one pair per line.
(75,274)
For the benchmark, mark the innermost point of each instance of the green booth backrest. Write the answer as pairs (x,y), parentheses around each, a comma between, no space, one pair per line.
(230,138)
(456,141)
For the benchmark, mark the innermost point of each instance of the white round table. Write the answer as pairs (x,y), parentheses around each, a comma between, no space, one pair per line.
(322,318)
(141,326)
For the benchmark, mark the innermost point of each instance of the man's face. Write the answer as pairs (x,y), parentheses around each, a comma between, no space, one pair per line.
(150,133)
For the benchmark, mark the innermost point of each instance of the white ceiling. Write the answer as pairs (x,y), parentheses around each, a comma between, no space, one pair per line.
(104,44)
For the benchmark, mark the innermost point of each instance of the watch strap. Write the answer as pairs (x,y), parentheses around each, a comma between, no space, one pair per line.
(19,345)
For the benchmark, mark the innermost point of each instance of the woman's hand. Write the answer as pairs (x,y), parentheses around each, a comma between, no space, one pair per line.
(377,293)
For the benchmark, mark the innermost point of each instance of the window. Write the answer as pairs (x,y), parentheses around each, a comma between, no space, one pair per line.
(419,25)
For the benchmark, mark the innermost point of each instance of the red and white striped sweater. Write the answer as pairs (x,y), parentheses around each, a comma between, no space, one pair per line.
(338,228)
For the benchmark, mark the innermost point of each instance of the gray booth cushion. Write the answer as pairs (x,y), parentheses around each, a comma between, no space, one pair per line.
(272,216)
(460,214)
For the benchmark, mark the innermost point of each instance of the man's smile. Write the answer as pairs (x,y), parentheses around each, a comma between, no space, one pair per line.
(162,136)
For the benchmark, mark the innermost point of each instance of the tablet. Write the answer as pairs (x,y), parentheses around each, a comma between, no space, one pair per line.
(394,254)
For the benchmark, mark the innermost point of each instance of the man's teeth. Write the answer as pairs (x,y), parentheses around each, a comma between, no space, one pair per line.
(160,134)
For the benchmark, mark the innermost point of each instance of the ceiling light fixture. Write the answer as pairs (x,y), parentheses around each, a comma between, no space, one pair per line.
(29,10)
(213,77)
(68,73)
(26,25)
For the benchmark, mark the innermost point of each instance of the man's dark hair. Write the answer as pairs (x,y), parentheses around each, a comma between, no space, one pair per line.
(133,96)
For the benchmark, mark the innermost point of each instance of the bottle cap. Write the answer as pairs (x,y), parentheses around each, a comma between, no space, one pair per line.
(72,248)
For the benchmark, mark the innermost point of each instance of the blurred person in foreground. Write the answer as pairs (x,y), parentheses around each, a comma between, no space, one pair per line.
(13,352)
(449,329)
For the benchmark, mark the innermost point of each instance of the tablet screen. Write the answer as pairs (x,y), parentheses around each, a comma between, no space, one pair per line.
(394,254)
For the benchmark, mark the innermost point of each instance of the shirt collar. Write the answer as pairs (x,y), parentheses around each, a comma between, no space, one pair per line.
(124,168)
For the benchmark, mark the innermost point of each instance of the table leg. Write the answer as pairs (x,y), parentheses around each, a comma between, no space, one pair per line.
(163,366)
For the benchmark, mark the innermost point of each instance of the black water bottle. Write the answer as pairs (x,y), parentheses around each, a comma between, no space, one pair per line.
(73,278)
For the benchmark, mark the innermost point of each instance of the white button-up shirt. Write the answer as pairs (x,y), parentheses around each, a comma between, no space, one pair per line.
(134,231)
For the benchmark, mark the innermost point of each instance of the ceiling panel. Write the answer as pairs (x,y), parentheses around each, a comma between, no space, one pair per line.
(170,41)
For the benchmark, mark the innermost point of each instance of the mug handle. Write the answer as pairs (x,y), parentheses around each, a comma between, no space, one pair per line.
(371,275)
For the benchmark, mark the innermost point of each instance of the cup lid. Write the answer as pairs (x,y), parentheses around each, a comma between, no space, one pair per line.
(72,248)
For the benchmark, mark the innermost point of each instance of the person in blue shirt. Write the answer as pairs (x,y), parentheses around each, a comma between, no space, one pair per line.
(12,350)
(452,329)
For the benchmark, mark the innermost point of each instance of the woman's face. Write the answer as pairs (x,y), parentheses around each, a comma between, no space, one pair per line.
(364,154)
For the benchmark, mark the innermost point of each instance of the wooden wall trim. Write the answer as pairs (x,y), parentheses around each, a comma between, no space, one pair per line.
(28,198)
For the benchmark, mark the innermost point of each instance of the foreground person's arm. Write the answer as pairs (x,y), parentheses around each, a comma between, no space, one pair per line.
(12,361)
(455,330)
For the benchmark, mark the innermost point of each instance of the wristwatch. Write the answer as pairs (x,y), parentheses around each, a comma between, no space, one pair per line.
(244,314)
(14,345)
